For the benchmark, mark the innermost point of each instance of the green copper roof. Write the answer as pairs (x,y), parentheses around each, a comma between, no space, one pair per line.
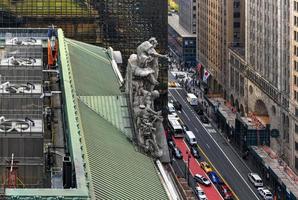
(117,170)
(106,164)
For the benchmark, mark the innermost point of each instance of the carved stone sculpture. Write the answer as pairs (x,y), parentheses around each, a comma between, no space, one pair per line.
(141,78)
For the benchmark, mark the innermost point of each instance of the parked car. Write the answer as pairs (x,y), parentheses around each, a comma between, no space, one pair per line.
(171,144)
(202,179)
(255,179)
(265,193)
(225,192)
(185,128)
(195,152)
(177,105)
(177,153)
(200,193)
(206,167)
(204,119)
(198,110)
(214,178)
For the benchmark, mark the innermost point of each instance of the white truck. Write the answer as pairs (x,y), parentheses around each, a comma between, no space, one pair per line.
(190,138)
(192,99)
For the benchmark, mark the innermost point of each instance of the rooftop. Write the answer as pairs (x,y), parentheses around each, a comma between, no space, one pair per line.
(98,131)
(173,20)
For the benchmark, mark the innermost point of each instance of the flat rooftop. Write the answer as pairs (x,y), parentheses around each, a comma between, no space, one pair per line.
(173,21)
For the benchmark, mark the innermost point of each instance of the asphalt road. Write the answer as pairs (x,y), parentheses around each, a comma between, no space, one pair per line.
(222,157)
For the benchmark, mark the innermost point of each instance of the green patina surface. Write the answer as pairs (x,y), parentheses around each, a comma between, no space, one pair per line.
(99,127)
(117,171)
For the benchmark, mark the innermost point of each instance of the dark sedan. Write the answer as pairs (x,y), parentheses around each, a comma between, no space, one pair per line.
(195,152)
(204,119)
(177,105)
(177,153)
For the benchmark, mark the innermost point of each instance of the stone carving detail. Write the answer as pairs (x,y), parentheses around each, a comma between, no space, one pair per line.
(141,78)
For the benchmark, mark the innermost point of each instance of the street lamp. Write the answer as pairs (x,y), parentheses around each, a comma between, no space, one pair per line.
(188,163)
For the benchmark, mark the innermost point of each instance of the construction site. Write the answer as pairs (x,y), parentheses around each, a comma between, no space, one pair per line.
(32,146)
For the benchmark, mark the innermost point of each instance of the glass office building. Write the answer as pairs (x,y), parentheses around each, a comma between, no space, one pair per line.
(122,24)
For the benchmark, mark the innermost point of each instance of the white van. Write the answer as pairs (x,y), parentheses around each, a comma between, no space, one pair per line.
(192,99)
(191,138)
(255,179)
(171,108)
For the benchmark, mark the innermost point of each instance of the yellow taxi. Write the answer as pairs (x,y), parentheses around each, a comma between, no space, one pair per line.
(206,167)
(171,84)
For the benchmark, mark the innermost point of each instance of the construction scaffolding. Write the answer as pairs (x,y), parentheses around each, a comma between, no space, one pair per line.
(21,112)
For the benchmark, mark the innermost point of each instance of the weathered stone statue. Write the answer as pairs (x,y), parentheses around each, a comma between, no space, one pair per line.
(141,78)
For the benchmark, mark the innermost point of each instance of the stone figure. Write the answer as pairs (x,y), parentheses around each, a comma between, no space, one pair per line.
(142,73)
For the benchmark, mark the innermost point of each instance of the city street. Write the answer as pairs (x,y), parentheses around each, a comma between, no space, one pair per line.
(222,157)
(214,146)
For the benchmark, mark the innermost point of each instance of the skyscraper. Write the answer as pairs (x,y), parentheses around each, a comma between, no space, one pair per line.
(212,40)
(187,15)
(122,24)
(267,50)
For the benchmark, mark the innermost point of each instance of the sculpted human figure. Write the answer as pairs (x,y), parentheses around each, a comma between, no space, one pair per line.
(143,74)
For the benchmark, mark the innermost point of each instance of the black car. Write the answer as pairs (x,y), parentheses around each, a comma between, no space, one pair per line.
(204,119)
(171,144)
(185,128)
(195,152)
(198,110)
(177,105)
(177,153)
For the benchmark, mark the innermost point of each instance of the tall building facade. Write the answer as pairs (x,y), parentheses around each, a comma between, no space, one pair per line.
(213,37)
(188,15)
(267,51)
(294,81)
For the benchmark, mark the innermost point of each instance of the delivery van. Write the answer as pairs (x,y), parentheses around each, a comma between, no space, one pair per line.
(192,99)
(190,138)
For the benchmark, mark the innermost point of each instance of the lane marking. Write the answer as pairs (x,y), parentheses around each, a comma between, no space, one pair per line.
(208,146)
(186,115)
(215,188)
(220,148)
(197,130)
(224,180)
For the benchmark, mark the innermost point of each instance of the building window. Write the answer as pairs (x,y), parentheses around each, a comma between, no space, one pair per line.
(295,50)
(236,14)
(296,36)
(295,80)
(236,24)
(296,163)
(296,95)
(296,128)
(295,65)
(295,5)
(296,21)
(296,146)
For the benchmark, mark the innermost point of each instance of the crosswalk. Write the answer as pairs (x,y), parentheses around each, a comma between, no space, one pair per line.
(209,128)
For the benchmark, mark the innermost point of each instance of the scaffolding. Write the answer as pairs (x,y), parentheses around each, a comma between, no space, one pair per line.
(21,108)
